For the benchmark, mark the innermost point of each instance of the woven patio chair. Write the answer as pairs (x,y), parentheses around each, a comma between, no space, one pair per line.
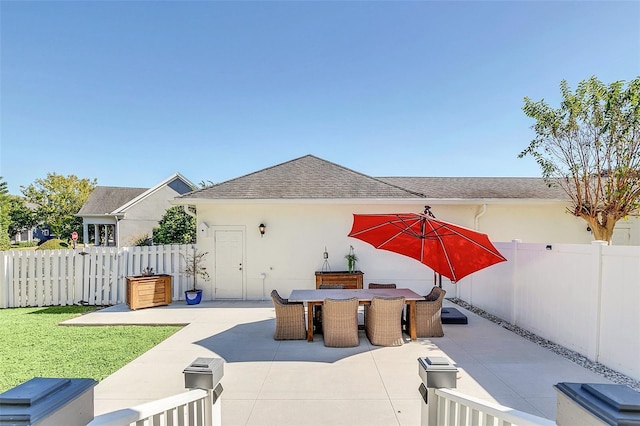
(290,322)
(340,323)
(382,323)
(428,314)
(375,286)
(317,309)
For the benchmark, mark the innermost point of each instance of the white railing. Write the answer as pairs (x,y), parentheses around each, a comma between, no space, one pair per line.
(92,276)
(449,407)
(195,407)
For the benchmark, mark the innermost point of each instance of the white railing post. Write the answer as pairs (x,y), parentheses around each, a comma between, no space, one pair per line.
(436,373)
(206,373)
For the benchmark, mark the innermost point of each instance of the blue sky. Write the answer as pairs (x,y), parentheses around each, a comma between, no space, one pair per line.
(131,92)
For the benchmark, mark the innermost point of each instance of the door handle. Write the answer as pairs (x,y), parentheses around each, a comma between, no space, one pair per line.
(240,268)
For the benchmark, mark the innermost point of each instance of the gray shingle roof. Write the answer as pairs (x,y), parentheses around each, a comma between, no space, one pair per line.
(307,177)
(479,187)
(106,199)
(310,177)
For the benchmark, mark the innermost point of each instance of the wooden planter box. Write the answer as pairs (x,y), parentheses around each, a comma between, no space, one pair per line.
(351,280)
(146,292)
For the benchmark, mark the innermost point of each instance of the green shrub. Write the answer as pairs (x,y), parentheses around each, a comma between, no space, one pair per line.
(53,244)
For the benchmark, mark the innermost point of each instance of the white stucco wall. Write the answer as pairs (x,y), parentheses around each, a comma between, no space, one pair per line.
(297,234)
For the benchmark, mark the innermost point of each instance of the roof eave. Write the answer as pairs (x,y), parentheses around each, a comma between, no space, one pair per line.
(441,201)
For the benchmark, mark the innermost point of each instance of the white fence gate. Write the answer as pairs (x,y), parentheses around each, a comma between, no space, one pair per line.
(91,276)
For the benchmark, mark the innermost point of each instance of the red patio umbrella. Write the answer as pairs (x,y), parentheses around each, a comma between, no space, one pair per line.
(450,250)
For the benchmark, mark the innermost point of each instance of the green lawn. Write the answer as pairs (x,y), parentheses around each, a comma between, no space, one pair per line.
(32,344)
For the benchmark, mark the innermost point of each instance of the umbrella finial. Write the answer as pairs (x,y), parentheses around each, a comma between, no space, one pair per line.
(427,211)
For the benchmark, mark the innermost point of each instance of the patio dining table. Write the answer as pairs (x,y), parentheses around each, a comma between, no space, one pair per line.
(315,297)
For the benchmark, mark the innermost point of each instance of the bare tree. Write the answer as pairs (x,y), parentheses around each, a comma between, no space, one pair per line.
(590,147)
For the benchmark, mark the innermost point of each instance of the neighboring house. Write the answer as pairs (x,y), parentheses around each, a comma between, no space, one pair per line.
(307,205)
(120,215)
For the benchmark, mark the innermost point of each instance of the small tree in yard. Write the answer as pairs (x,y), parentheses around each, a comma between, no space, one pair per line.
(590,147)
(58,199)
(175,227)
(194,267)
(5,219)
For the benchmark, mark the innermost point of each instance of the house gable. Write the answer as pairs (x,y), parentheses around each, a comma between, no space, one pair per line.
(307,177)
(108,199)
(176,182)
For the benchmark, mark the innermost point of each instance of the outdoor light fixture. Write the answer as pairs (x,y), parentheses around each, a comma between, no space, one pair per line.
(549,247)
(262,227)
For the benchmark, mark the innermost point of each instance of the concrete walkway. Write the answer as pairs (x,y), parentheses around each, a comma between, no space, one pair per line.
(268,382)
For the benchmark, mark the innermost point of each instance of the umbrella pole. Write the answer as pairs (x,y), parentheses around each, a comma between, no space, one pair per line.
(439,276)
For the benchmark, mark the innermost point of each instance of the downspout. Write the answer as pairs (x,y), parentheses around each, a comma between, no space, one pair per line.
(187,211)
(116,231)
(476,220)
(193,215)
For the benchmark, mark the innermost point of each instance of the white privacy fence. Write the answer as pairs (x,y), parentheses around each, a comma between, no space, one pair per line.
(92,276)
(583,297)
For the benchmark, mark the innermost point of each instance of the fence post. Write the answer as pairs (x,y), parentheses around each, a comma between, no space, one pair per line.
(4,280)
(514,281)
(594,349)
(206,373)
(436,373)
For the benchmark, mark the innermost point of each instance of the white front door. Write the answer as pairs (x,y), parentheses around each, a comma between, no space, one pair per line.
(229,268)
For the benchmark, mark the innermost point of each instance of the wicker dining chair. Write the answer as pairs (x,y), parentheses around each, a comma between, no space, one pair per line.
(290,321)
(428,314)
(376,286)
(382,323)
(340,322)
(317,309)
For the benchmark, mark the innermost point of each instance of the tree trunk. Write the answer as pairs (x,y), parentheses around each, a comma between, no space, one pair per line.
(600,232)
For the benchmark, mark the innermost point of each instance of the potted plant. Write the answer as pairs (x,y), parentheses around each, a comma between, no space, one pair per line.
(194,268)
(351,260)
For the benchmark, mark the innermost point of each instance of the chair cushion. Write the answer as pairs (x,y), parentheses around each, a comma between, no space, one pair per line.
(433,295)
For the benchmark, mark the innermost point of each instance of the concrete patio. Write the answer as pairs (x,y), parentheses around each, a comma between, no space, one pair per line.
(268,382)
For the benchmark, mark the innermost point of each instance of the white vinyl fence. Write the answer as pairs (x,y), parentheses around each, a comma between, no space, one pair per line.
(91,276)
(585,297)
